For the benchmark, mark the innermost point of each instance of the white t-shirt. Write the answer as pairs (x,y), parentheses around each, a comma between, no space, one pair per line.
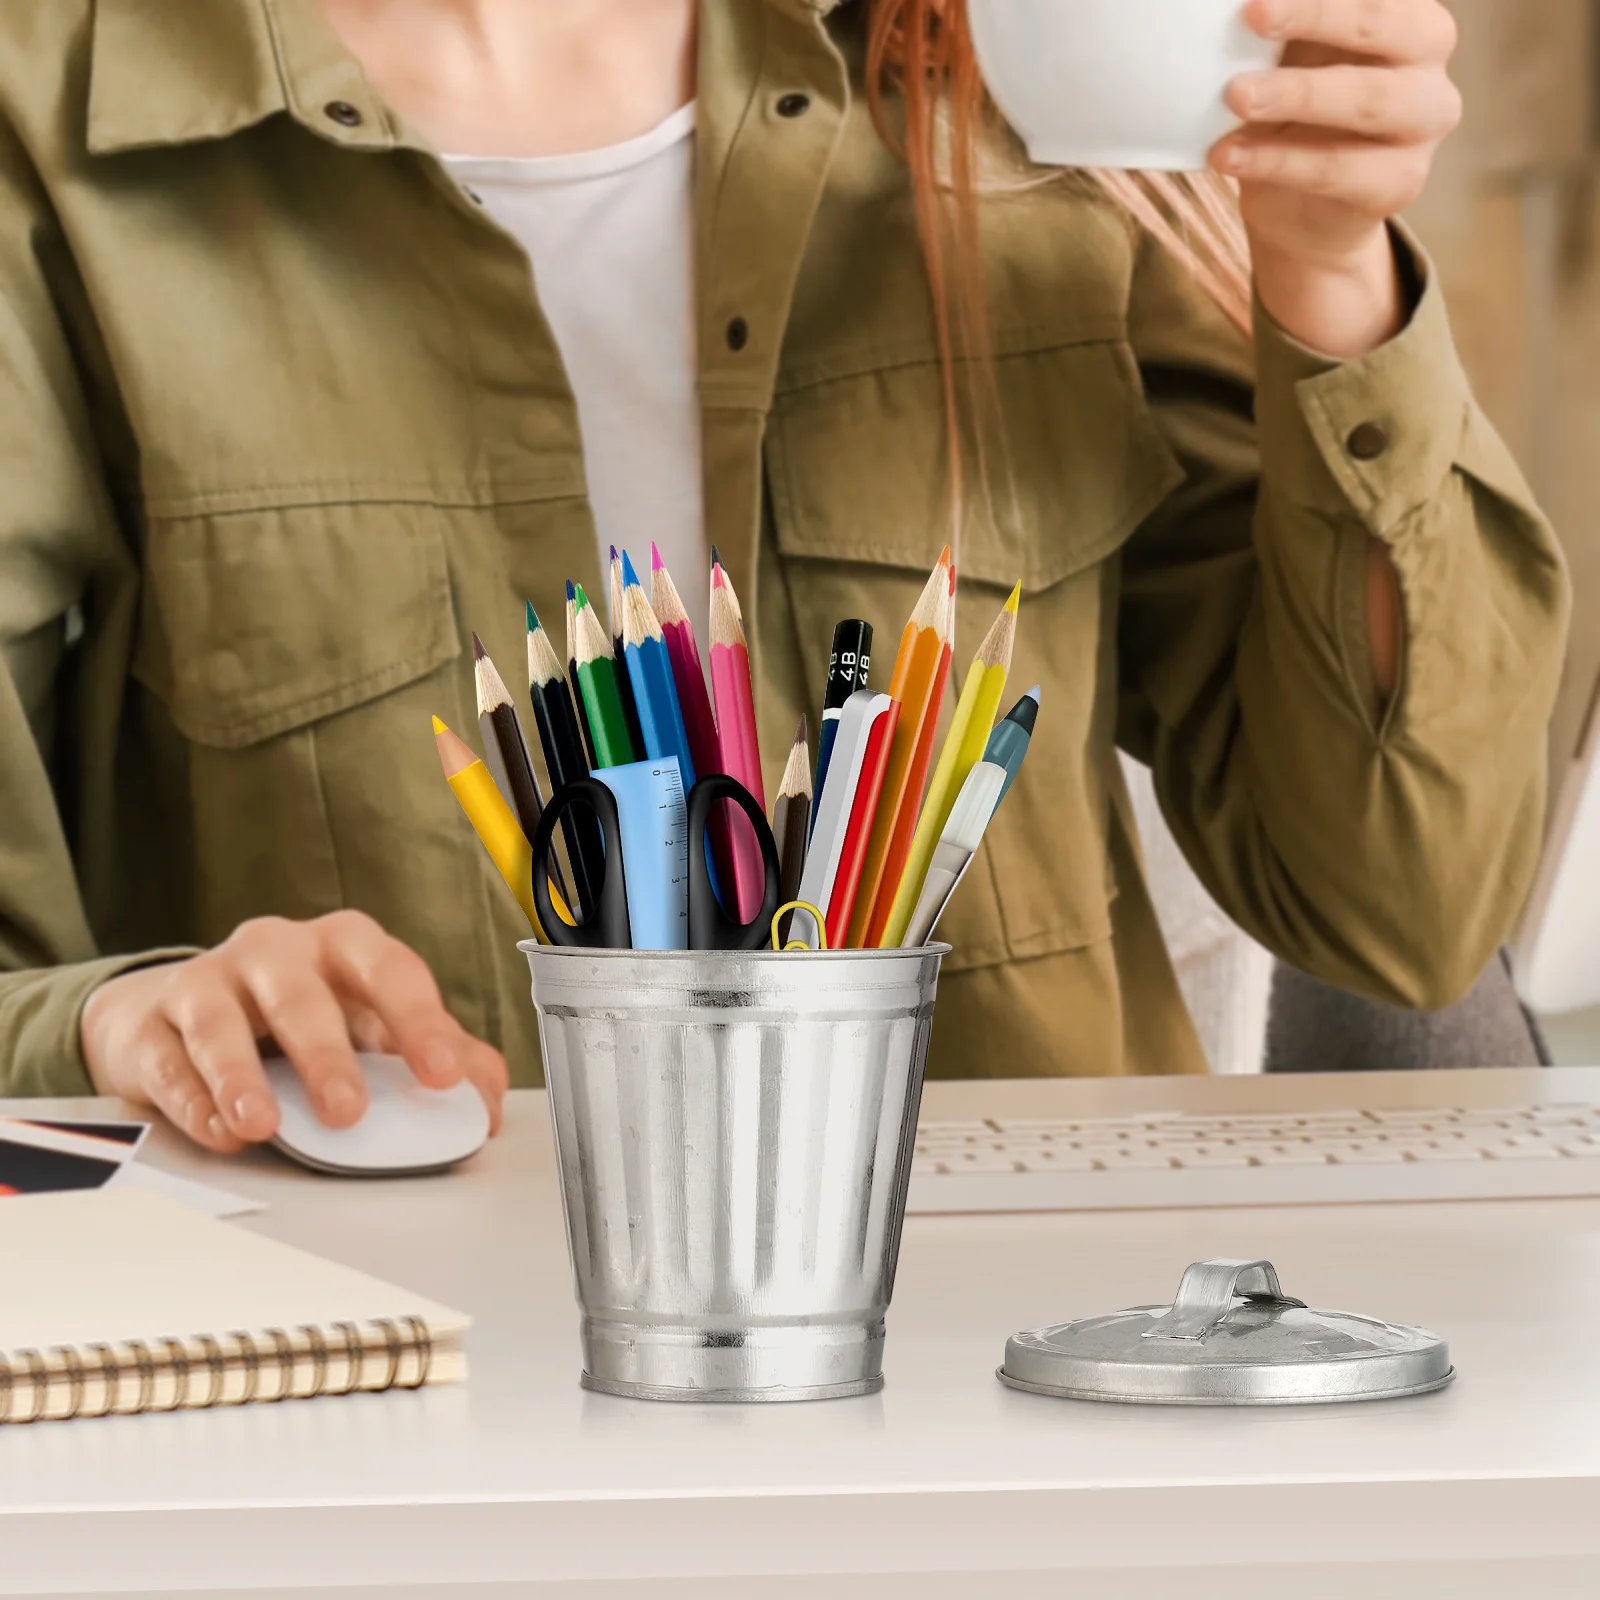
(610,234)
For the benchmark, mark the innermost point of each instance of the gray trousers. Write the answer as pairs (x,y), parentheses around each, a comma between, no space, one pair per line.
(1314,1028)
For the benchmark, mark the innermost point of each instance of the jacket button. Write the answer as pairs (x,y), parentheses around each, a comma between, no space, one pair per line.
(1368,442)
(342,112)
(738,334)
(794,105)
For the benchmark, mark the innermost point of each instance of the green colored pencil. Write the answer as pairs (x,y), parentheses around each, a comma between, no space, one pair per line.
(602,695)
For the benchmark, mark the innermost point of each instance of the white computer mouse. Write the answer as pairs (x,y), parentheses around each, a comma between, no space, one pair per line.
(407,1129)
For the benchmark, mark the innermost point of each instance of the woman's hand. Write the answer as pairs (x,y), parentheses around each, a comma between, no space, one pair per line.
(184,1037)
(1337,140)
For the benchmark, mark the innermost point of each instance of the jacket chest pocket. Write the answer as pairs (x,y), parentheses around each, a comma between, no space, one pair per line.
(1068,465)
(292,656)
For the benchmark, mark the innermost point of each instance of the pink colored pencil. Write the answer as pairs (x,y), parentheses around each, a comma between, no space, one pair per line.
(736,735)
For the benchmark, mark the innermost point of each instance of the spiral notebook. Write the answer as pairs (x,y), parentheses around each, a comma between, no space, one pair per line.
(119,1301)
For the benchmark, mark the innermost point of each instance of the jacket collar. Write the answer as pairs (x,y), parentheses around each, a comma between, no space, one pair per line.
(166,72)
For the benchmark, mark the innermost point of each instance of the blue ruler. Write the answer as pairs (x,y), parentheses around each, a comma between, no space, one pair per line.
(654,818)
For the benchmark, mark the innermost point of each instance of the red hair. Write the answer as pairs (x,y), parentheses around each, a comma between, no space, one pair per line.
(920,56)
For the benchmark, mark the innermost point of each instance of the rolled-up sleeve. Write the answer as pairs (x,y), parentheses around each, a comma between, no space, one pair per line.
(1385,844)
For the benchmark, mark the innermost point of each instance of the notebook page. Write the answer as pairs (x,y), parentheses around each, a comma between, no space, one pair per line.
(121,1264)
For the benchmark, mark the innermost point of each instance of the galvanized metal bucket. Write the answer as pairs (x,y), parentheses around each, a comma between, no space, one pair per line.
(734,1137)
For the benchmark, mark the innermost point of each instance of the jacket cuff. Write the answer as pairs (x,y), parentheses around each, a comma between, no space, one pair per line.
(1379,434)
(41,1052)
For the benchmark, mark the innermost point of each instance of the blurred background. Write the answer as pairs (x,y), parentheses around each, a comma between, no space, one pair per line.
(1512,219)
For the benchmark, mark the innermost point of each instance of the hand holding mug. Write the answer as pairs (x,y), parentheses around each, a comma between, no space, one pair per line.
(1337,140)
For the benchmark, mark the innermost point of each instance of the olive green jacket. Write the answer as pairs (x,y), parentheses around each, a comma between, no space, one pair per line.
(281,421)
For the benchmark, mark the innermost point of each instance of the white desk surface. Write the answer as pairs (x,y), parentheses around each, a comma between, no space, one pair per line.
(945,1484)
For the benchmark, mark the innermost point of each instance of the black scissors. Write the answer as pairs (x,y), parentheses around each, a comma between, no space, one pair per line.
(605,925)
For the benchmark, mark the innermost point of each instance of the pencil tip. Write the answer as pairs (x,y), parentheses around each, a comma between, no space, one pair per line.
(571,589)
(478,652)
(944,557)
(802,733)
(716,557)
(533,616)
(580,599)
(1016,599)
(613,555)
(1033,694)
(656,563)
(629,576)
(439,727)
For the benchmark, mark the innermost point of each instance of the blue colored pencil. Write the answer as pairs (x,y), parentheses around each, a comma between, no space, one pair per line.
(650,672)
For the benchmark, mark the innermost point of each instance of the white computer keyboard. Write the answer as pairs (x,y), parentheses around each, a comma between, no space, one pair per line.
(1261,1158)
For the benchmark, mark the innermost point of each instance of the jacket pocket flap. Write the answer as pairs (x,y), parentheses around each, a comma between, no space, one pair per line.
(1071,464)
(257,622)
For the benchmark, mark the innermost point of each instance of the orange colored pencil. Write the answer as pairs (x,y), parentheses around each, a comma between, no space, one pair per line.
(916,675)
(905,825)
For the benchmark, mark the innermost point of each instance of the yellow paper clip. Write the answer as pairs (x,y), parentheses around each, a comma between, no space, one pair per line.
(799,944)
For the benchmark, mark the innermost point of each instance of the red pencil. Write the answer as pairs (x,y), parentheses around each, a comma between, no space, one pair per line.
(683,650)
(736,735)
(847,880)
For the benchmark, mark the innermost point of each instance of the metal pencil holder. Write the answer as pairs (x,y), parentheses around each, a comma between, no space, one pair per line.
(734,1137)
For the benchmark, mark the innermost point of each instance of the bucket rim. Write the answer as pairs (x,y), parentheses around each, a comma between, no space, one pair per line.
(532,947)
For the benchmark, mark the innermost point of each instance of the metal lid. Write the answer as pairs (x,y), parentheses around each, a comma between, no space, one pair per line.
(1232,1337)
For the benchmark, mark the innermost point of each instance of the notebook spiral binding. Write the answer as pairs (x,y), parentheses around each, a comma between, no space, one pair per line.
(276,1366)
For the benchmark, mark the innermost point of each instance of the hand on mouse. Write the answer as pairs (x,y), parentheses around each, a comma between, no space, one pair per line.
(184,1037)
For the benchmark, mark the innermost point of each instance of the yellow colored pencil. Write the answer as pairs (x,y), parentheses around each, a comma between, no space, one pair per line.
(963,750)
(494,822)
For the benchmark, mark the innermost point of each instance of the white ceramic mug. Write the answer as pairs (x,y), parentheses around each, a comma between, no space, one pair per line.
(1135,84)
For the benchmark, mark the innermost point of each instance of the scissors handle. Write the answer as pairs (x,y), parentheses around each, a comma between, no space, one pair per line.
(710,927)
(605,927)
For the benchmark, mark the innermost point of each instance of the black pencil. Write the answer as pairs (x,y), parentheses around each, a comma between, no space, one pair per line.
(506,750)
(791,824)
(566,761)
(572,674)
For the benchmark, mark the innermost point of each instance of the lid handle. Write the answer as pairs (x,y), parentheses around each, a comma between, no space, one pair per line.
(1208,1292)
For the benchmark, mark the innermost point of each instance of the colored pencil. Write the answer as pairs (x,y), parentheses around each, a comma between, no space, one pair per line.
(493,822)
(572,675)
(905,826)
(630,705)
(737,743)
(834,807)
(602,695)
(1008,744)
(505,748)
(916,666)
(853,855)
(719,573)
(849,666)
(566,761)
(791,824)
(683,650)
(694,701)
(963,750)
(650,668)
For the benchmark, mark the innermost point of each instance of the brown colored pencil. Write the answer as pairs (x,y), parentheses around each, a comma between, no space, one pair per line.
(506,750)
(791,824)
